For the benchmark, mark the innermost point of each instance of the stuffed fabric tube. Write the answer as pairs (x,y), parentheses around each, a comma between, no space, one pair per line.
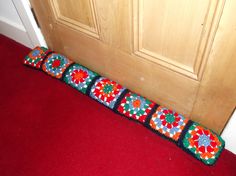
(200,142)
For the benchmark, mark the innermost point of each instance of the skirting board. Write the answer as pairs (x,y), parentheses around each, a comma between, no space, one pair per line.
(229,134)
(14,31)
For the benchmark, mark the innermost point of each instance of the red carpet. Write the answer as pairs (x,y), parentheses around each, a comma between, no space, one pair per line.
(48,128)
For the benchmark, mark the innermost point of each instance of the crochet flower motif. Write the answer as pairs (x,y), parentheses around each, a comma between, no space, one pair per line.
(79,77)
(135,106)
(203,143)
(56,64)
(168,122)
(35,57)
(106,91)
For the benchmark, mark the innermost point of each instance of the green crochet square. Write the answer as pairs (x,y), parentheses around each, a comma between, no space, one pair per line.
(79,77)
(204,144)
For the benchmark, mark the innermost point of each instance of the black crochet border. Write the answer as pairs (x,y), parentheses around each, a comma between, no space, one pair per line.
(48,52)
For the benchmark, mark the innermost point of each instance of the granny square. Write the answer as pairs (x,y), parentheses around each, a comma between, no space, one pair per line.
(204,144)
(35,57)
(79,77)
(106,91)
(135,107)
(168,123)
(55,64)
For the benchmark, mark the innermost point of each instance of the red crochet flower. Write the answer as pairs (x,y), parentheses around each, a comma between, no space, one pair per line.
(79,76)
(170,119)
(56,63)
(106,90)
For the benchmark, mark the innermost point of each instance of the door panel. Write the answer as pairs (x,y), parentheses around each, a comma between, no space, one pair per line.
(79,11)
(159,49)
(172,33)
(80,16)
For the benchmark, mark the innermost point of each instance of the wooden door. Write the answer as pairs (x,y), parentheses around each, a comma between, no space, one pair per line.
(180,54)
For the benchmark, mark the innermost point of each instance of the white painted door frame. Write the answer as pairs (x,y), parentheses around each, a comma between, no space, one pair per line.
(23,8)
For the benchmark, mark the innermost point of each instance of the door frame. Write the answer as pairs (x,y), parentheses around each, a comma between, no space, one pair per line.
(34,33)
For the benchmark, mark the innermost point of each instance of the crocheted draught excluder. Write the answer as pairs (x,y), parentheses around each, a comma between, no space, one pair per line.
(200,142)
